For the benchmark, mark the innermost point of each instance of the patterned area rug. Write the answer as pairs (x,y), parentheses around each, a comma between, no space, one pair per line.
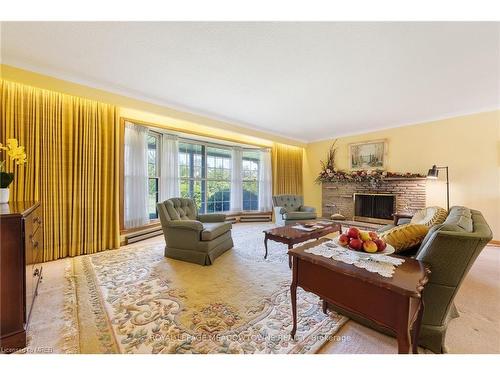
(134,300)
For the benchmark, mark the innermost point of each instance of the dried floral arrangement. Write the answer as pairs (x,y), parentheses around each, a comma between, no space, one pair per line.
(329,173)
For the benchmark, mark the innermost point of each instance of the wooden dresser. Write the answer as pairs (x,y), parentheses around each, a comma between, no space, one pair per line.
(21,255)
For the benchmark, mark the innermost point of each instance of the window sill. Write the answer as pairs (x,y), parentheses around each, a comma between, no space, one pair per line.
(152,224)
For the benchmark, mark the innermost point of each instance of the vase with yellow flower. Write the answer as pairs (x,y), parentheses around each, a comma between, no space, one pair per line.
(14,155)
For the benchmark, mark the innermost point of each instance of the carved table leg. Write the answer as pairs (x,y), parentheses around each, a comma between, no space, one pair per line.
(325,307)
(403,337)
(416,328)
(290,247)
(293,296)
(265,245)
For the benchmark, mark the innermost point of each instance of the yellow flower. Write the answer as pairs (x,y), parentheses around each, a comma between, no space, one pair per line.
(21,161)
(14,151)
(12,143)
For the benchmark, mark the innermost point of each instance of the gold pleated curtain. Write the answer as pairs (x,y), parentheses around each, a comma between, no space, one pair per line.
(287,169)
(72,145)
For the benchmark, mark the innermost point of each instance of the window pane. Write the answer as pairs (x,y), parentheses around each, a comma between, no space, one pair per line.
(194,190)
(153,198)
(153,147)
(218,196)
(152,155)
(218,164)
(250,165)
(250,170)
(191,160)
(183,164)
(250,196)
(184,189)
(218,179)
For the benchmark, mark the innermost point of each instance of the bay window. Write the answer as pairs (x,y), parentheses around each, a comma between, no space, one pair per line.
(219,178)
(205,176)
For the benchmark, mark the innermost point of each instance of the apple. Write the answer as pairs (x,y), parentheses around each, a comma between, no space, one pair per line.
(356,244)
(381,245)
(373,235)
(353,232)
(370,246)
(343,240)
(364,236)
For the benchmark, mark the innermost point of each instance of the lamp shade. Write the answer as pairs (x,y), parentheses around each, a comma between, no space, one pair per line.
(433,173)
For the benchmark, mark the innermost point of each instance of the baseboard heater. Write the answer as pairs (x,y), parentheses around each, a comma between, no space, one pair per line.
(146,233)
(255,218)
(249,217)
(143,234)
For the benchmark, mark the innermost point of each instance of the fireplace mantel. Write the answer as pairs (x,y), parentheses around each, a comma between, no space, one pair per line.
(410,194)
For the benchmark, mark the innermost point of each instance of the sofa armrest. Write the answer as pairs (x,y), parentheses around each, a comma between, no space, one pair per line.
(401,215)
(282,210)
(307,209)
(212,218)
(193,225)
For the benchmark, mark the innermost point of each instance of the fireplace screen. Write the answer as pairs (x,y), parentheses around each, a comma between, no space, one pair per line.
(374,206)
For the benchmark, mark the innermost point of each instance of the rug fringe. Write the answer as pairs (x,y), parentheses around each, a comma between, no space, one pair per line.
(70,337)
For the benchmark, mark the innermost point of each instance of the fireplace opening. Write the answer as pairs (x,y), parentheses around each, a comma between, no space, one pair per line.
(376,208)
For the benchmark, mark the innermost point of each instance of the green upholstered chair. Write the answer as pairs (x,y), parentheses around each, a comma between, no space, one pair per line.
(449,249)
(289,209)
(192,237)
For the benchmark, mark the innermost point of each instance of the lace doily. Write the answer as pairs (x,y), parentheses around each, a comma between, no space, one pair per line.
(382,264)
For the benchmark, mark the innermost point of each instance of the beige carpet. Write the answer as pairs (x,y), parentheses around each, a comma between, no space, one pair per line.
(134,300)
(61,325)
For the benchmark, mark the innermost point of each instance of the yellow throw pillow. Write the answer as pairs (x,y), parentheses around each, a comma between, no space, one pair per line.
(405,236)
(430,216)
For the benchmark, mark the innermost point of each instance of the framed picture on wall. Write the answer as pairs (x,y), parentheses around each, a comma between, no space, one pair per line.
(368,155)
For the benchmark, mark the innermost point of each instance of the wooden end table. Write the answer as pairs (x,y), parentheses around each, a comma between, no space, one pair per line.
(394,303)
(292,236)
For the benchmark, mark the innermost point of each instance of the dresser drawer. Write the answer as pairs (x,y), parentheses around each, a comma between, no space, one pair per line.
(32,222)
(33,230)
(37,246)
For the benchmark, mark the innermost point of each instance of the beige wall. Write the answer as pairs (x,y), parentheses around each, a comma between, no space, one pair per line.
(469,145)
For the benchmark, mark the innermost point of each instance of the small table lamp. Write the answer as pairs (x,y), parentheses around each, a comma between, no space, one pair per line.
(433,175)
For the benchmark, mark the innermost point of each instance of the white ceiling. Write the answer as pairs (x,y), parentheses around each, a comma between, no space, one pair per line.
(304,81)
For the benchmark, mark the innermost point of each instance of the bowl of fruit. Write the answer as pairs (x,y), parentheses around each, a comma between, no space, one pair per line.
(359,240)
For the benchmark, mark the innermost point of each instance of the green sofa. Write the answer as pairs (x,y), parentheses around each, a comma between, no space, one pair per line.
(289,209)
(449,249)
(192,237)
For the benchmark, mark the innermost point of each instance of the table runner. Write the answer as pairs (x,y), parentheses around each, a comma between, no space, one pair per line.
(382,264)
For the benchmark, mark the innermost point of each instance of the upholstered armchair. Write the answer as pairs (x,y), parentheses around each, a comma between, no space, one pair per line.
(289,209)
(192,237)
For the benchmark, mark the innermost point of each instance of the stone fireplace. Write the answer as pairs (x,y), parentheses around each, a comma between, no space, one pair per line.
(364,201)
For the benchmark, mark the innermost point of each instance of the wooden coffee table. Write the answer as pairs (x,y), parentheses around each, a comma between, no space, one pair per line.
(394,303)
(292,236)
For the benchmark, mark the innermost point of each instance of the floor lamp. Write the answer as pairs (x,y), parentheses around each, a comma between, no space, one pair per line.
(433,175)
